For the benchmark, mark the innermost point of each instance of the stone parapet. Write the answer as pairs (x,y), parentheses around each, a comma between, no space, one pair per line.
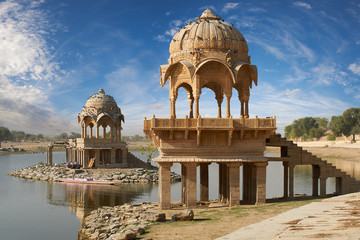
(210,123)
(98,143)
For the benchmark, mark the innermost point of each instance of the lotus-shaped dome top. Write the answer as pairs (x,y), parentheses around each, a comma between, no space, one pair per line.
(208,32)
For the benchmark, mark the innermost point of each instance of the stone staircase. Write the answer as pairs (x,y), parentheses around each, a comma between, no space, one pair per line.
(135,162)
(292,155)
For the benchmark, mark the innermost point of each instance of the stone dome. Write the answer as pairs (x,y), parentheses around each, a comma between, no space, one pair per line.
(206,33)
(99,105)
(100,100)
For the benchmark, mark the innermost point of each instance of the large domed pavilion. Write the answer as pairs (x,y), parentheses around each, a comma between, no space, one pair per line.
(210,53)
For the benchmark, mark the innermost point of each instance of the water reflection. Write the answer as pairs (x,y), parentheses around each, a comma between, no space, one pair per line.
(83,198)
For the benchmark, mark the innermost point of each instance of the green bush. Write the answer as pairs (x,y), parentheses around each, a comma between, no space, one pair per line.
(331,137)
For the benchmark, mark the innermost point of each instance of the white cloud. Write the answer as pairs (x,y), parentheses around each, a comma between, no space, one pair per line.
(171,32)
(168,13)
(229,6)
(136,99)
(257,10)
(291,104)
(302,4)
(358,42)
(328,74)
(355,68)
(174,26)
(160,38)
(244,21)
(27,68)
(268,48)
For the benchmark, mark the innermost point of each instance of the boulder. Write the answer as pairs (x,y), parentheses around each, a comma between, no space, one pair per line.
(186,215)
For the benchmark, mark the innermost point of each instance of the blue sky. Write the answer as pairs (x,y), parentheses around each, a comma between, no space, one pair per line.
(55,54)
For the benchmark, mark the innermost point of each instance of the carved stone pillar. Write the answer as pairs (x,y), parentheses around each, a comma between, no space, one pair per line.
(219,101)
(191,102)
(49,155)
(291,180)
(191,189)
(91,132)
(183,183)
(338,185)
(241,109)
(286,179)
(234,183)
(172,107)
(113,156)
(261,182)
(97,131)
(197,106)
(164,185)
(204,182)
(247,109)
(223,182)
(228,106)
(315,180)
(82,131)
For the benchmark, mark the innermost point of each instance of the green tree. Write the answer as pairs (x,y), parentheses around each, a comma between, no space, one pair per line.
(323,122)
(5,134)
(337,125)
(307,127)
(17,136)
(288,130)
(348,123)
(149,151)
(40,137)
(74,135)
(61,137)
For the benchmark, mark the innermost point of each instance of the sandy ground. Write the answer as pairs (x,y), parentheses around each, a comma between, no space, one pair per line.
(332,144)
(210,223)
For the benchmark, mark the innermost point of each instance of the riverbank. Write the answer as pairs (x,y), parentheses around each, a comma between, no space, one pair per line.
(42,172)
(41,147)
(210,221)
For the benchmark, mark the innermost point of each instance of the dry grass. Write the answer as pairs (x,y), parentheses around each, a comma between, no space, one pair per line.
(210,223)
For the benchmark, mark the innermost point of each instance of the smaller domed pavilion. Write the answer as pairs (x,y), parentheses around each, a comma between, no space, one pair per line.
(100,144)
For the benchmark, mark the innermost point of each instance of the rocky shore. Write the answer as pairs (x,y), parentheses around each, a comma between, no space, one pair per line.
(120,222)
(125,222)
(43,172)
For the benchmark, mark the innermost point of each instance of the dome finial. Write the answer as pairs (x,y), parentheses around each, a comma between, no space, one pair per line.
(101,91)
(208,14)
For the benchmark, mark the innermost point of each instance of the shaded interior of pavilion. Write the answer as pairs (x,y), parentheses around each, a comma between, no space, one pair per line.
(242,184)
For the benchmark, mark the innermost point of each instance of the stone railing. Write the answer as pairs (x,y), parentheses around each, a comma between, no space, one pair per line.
(209,123)
(94,142)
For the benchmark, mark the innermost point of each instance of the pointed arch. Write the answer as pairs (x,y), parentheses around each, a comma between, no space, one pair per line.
(242,69)
(214,60)
(166,71)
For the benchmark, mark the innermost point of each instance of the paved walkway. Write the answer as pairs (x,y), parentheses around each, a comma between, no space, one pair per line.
(332,218)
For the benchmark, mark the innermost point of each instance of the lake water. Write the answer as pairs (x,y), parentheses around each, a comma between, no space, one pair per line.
(34,210)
